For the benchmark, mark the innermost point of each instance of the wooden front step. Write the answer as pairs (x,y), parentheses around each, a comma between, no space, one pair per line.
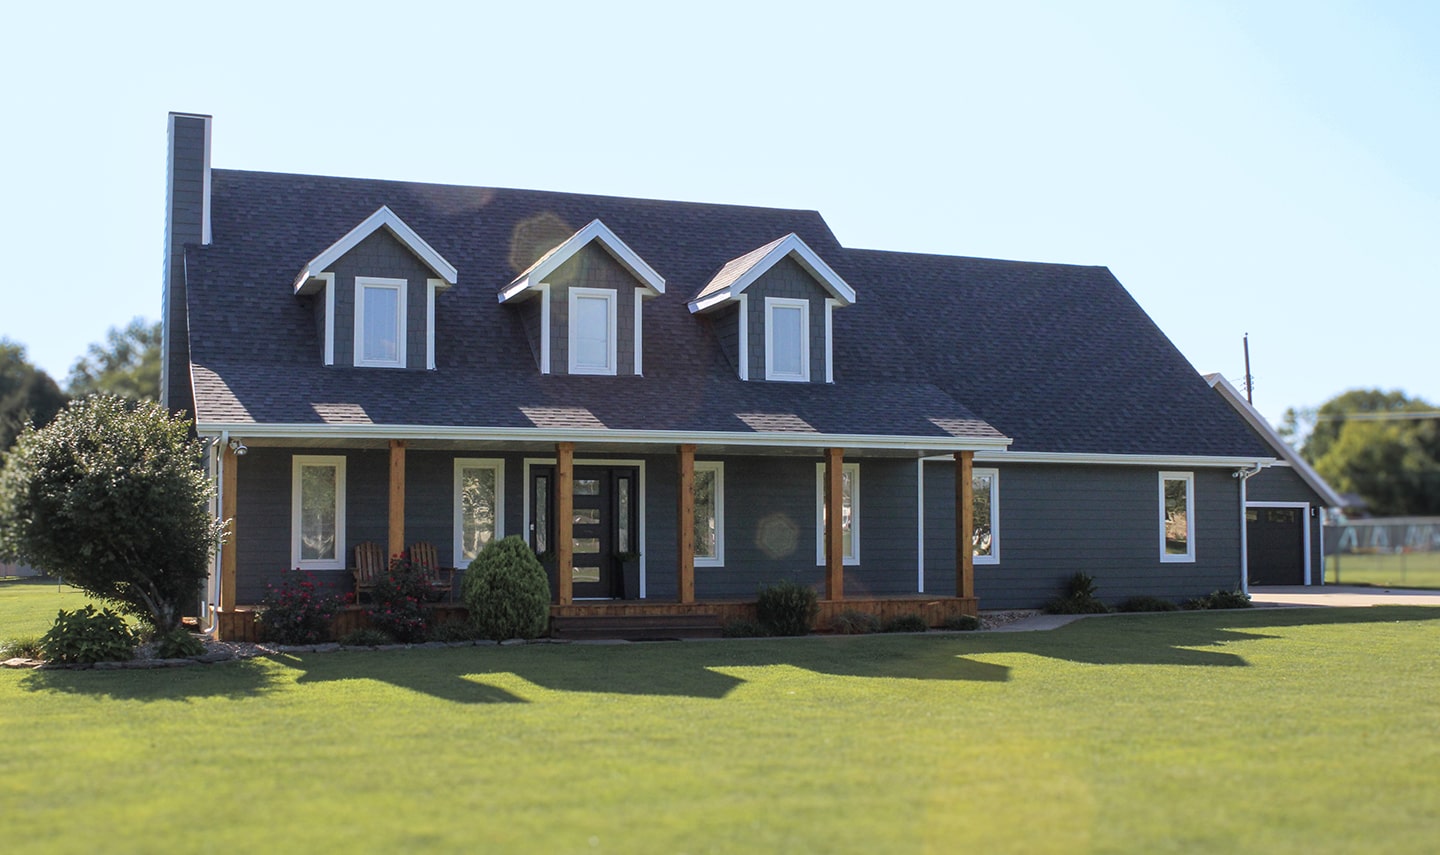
(635,627)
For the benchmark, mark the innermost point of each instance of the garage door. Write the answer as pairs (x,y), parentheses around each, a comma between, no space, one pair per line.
(1276,545)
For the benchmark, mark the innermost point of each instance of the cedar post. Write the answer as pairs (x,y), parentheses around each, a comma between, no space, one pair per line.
(685,521)
(397,498)
(964,524)
(229,480)
(834,524)
(565,522)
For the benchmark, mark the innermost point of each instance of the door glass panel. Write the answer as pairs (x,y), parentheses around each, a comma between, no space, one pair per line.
(542,513)
(585,574)
(622,503)
(587,487)
(587,516)
(587,546)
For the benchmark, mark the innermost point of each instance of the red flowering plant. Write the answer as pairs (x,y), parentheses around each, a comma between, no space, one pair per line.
(297,611)
(398,601)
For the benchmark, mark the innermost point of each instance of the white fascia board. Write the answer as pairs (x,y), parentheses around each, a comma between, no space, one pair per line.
(918,444)
(1167,460)
(653,282)
(1261,426)
(383,218)
(807,258)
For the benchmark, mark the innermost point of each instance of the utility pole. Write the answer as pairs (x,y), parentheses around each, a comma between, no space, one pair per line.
(1249,380)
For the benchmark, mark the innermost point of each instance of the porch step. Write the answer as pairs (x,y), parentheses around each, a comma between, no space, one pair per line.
(635,627)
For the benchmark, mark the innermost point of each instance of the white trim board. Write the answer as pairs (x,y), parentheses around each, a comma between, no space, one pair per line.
(789,245)
(382,218)
(531,280)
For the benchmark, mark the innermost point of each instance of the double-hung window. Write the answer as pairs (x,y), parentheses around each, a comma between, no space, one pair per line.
(379,322)
(317,513)
(849,513)
(592,331)
(1177,516)
(709,513)
(985,523)
(479,506)
(787,339)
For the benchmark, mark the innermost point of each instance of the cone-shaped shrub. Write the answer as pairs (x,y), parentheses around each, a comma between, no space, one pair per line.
(506,591)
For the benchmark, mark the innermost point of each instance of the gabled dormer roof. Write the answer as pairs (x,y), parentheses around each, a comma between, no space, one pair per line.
(1282,448)
(387,219)
(739,273)
(530,280)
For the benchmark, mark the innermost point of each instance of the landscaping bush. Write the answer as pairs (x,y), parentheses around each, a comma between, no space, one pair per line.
(24,646)
(86,635)
(1146,604)
(961,623)
(452,631)
(852,622)
(297,611)
(398,601)
(743,629)
(178,643)
(1079,598)
(787,608)
(367,637)
(905,623)
(506,591)
(1221,600)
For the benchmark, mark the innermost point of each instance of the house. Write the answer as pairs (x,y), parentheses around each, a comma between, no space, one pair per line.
(1283,506)
(676,403)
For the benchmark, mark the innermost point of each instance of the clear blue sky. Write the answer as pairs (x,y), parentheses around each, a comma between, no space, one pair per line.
(1271,168)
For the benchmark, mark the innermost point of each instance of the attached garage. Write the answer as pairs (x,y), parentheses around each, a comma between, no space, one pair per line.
(1276,546)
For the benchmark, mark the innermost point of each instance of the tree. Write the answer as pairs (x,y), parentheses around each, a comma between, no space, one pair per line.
(26,393)
(126,364)
(1383,446)
(111,495)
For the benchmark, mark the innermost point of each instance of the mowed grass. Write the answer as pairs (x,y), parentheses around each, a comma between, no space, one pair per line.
(1273,731)
(28,605)
(1404,570)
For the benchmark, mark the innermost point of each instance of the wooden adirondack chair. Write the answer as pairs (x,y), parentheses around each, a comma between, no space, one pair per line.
(370,565)
(440,579)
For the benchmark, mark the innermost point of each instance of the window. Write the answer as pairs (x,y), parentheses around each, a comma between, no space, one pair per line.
(317,513)
(479,506)
(1177,516)
(985,538)
(787,339)
(709,513)
(592,331)
(379,322)
(849,510)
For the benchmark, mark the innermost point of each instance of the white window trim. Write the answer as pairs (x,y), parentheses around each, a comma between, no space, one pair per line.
(994,476)
(851,558)
(611,329)
(400,287)
(1189,556)
(771,304)
(297,463)
(718,467)
(461,464)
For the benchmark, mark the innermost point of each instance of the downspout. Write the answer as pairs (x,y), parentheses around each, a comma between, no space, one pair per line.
(212,585)
(1244,475)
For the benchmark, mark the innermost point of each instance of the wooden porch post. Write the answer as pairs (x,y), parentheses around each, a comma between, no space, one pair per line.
(834,524)
(564,522)
(229,481)
(397,498)
(685,523)
(964,523)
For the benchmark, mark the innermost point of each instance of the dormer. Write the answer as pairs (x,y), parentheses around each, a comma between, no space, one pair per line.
(772,307)
(374,293)
(581,303)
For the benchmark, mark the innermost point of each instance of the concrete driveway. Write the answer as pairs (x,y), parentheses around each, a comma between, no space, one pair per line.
(1341,595)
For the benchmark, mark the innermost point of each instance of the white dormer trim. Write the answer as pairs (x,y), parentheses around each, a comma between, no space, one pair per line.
(639,353)
(744,334)
(830,305)
(653,284)
(545,328)
(328,282)
(431,286)
(789,245)
(383,218)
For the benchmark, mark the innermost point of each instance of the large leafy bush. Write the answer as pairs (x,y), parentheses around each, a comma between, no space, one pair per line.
(507,592)
(787,608)
(86,635)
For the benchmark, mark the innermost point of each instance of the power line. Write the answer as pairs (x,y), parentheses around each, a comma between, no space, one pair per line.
(1380,417)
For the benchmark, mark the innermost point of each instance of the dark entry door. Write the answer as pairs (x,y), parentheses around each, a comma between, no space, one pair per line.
(602,524)
(1275,545)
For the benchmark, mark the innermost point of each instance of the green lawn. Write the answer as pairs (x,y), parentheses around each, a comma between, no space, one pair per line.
(1406,570)
(1274,731)
(28,606)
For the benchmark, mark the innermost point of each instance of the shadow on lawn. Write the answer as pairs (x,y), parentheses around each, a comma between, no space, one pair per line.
(464,675)
(230,680)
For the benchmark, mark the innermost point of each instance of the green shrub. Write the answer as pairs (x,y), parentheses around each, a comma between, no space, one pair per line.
(296,611)
(1080,586)
(453,630)
(743,629)
(398,601)
(507,592)
(853,622)
(367,637)
(1146,604)
(905,623)
(86,635)
(1079,598)
(178,643)
(23,646)
(961,623)
(1221,600)
(787,608)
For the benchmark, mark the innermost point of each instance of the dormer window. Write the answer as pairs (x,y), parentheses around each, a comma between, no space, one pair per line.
(380,322)
(787,339)
(592,331)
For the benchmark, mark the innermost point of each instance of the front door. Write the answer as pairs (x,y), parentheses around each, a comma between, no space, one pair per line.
(603,530)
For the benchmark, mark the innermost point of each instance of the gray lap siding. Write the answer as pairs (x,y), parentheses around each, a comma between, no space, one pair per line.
(1284,484)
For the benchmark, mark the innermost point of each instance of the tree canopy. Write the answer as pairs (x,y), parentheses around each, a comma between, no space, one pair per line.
(27,394)
(127,364)
(1382,446)
(112,496)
